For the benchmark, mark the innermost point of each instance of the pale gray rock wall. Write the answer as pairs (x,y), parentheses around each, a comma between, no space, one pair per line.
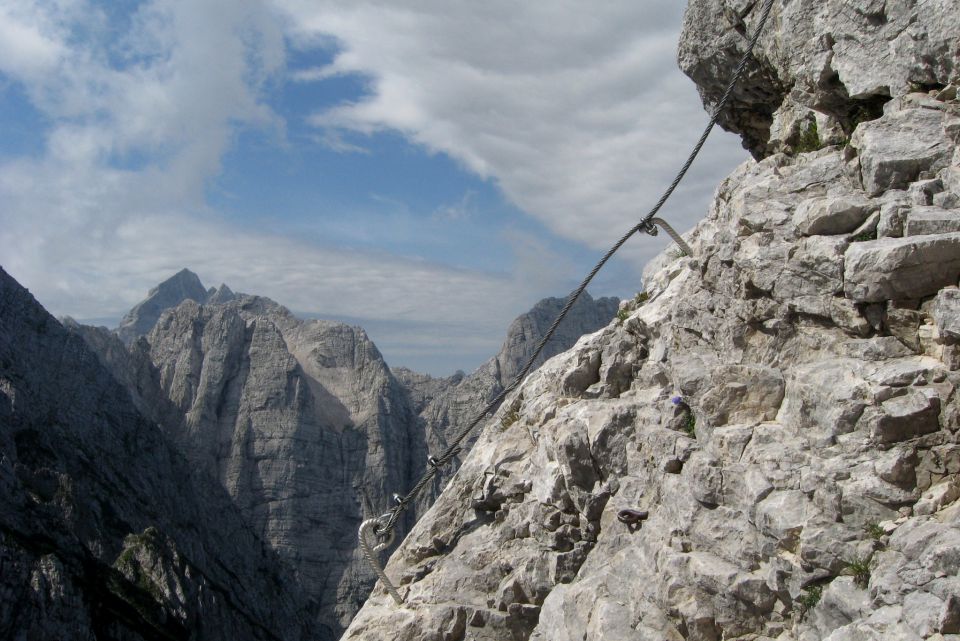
(131,367)
(305,425)
(106,532)
(829,62)
(586,316)
(447,409)
(301,422)
(794,444)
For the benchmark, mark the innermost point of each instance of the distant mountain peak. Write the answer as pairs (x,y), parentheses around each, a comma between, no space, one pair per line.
(184,285)
(184,279)
(222,294)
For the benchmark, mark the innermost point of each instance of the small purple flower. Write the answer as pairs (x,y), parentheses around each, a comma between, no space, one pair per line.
(676,400)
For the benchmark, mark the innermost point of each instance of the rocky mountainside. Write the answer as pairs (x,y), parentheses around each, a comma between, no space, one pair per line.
(302,422)
(106,531)
(446,406)
(766,447)
(304,425)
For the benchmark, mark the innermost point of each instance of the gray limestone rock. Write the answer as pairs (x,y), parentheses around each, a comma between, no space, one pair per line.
(946,312)
(895,150)
(829,216)
(911,267)
(931,220)
(301,422)
(834,62)
(447,411)
(586,316)
(184,285)
(783,413)
(306,426)
(222,294)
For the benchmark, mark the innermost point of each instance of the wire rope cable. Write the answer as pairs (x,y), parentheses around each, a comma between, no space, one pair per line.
(384,530)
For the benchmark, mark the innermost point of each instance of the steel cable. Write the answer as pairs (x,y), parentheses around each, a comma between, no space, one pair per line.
(645,224)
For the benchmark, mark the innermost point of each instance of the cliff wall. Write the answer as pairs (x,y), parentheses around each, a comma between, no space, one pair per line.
(302,422)
(106,532)
(778,414)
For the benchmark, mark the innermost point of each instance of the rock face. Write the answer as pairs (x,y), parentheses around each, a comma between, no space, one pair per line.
(447,406)
(822,66)
(303,423)
(778,415)
(106,531)
(184,285)
(586,316)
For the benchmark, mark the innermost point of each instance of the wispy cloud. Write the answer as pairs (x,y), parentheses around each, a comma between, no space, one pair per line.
(138,124)
(577,111)
(459,210)
(337,141)
(316,74)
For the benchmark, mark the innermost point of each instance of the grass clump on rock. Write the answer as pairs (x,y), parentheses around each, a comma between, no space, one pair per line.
(809,139)
(860,570)
(811,597)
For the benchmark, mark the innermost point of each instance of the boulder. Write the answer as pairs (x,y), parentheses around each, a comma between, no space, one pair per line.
(901,268)
(946,312)
(896,149)
(931,220)
(837,215)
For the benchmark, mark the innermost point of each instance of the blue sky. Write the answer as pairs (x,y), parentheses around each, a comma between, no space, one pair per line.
(425,169)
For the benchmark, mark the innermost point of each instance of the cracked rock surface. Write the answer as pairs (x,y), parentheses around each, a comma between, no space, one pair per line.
(826,64)
(783,407)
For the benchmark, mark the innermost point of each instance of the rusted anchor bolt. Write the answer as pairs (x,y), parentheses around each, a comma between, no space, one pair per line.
(632,518)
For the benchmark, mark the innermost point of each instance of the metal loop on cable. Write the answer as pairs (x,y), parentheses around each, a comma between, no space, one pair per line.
(631,517)
(372,527)
(684,247)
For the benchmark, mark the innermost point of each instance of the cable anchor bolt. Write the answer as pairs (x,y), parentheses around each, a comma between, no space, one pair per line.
(633,519)
(650,226)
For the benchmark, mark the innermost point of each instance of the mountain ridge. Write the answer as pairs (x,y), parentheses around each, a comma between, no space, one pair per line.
(302,421)
(103,527)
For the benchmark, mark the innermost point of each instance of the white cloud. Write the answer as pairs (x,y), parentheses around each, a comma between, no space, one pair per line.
(574,109)
(424,314)
(30,40)
(577,110)
(138,126)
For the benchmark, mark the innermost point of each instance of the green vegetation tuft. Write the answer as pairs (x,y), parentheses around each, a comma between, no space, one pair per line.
(690,425)
(875,531)
(867,235)
(641,298)
(860,569)
(510,418)
(131,568)
(622,315)
(811,597)
(809,139)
